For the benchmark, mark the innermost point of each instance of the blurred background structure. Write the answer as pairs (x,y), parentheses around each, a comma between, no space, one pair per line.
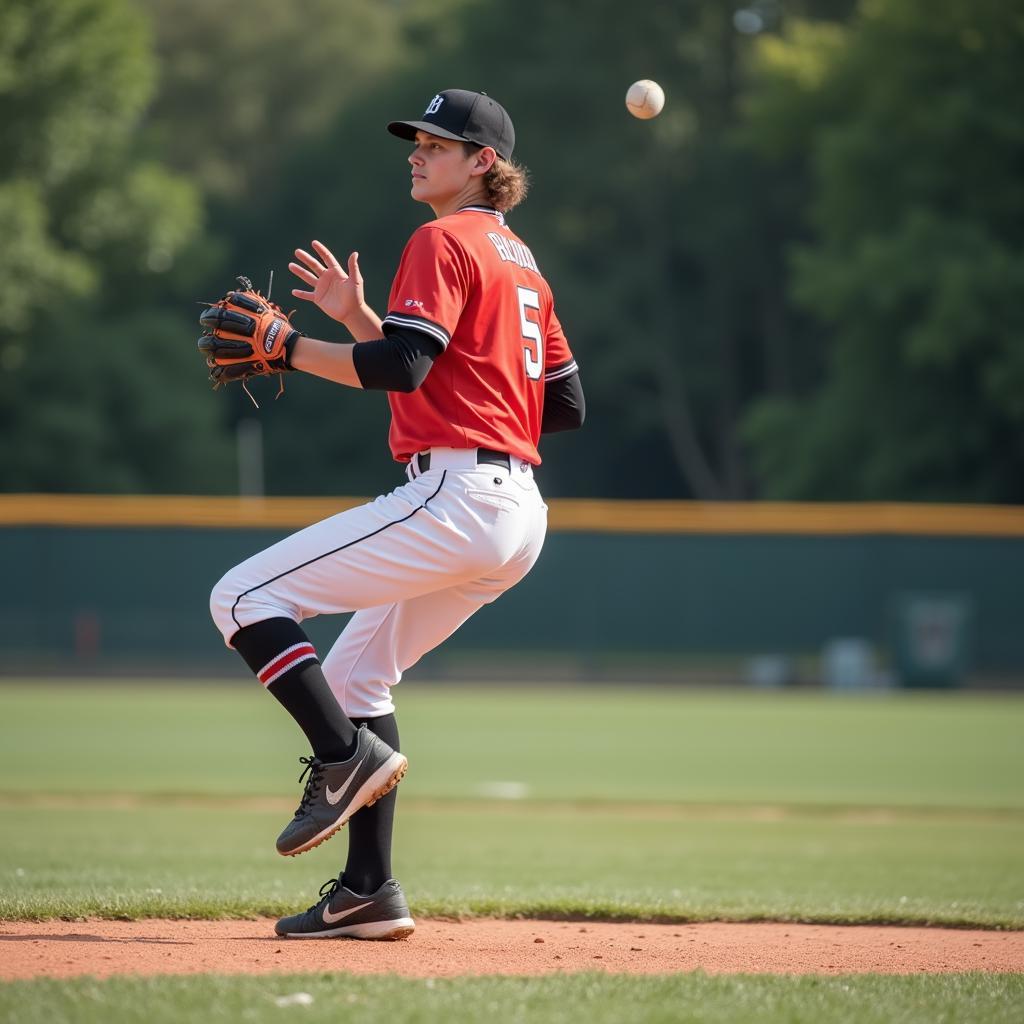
(800,284)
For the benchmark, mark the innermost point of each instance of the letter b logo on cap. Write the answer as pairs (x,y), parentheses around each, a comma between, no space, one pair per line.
(434,106)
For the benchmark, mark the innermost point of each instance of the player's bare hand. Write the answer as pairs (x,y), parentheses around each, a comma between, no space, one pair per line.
(337,292)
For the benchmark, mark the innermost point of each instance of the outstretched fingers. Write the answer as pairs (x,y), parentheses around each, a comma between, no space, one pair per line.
(311,262)
(303,274)
(327,279)
(326,255)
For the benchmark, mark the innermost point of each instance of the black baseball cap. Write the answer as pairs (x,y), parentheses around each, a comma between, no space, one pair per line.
(466,117)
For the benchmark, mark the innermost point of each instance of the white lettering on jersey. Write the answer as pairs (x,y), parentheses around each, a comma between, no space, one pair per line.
(512,251)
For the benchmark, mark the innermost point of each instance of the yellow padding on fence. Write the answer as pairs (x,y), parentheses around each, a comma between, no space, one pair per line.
(586,515)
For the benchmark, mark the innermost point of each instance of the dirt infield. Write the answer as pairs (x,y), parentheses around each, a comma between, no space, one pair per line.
(61,949)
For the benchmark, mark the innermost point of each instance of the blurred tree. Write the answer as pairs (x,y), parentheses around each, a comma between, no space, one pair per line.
(87,221)
(907,127)
(115,418)
(241,81)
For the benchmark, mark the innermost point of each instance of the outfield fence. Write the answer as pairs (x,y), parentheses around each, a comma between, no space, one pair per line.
(769,592)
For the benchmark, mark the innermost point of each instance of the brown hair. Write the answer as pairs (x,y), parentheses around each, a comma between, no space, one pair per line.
(505,184)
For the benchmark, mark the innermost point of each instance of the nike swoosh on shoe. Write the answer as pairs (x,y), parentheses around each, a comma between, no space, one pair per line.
(330,918)
(333,796)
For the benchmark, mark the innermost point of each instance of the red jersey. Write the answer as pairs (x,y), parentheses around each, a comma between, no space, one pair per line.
(469,282)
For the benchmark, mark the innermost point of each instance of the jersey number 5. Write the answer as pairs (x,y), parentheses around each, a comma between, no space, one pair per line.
(533,351)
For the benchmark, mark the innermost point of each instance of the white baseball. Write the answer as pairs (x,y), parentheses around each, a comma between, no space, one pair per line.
(645,99)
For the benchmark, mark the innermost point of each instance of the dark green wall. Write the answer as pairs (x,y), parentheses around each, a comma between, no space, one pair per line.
(591,594)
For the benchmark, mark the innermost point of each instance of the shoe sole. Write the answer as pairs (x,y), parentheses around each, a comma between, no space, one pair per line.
(373,931)
(379,784)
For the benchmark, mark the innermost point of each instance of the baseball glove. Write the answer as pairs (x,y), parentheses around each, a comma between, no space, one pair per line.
(246,336)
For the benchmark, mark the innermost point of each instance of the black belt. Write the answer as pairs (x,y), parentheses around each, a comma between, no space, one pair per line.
(487,455)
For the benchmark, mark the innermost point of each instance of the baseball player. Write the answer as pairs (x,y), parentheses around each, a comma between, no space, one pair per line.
(476,368)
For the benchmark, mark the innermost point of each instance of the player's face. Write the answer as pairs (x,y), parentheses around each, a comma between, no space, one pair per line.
(441,170)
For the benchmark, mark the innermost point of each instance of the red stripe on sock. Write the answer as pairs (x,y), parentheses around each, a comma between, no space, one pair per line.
(283,661)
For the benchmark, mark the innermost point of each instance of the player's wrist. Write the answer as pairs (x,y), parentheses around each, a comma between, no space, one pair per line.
(289,348)
(359,312)
(363,324)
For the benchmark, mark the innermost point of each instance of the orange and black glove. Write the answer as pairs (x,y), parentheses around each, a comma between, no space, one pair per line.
(246,336)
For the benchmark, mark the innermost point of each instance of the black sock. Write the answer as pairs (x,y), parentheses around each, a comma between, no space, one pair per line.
(369,830)
(280,654)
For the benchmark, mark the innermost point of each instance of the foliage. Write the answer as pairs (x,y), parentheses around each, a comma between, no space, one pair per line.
(90,387)
(915,268)
(59,116)
(242,83)
(102,407)
(799,281)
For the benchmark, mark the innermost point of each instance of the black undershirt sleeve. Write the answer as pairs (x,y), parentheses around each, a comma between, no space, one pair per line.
(401,361)
(564,407)
(398,362)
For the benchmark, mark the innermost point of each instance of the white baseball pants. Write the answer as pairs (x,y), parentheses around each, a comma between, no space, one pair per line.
(413,565)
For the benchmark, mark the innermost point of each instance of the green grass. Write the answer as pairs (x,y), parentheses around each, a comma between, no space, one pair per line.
(888,750)
(597,999)
(639,803)
(216,862)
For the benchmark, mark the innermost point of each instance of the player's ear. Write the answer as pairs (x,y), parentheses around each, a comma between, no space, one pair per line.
(484,160)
